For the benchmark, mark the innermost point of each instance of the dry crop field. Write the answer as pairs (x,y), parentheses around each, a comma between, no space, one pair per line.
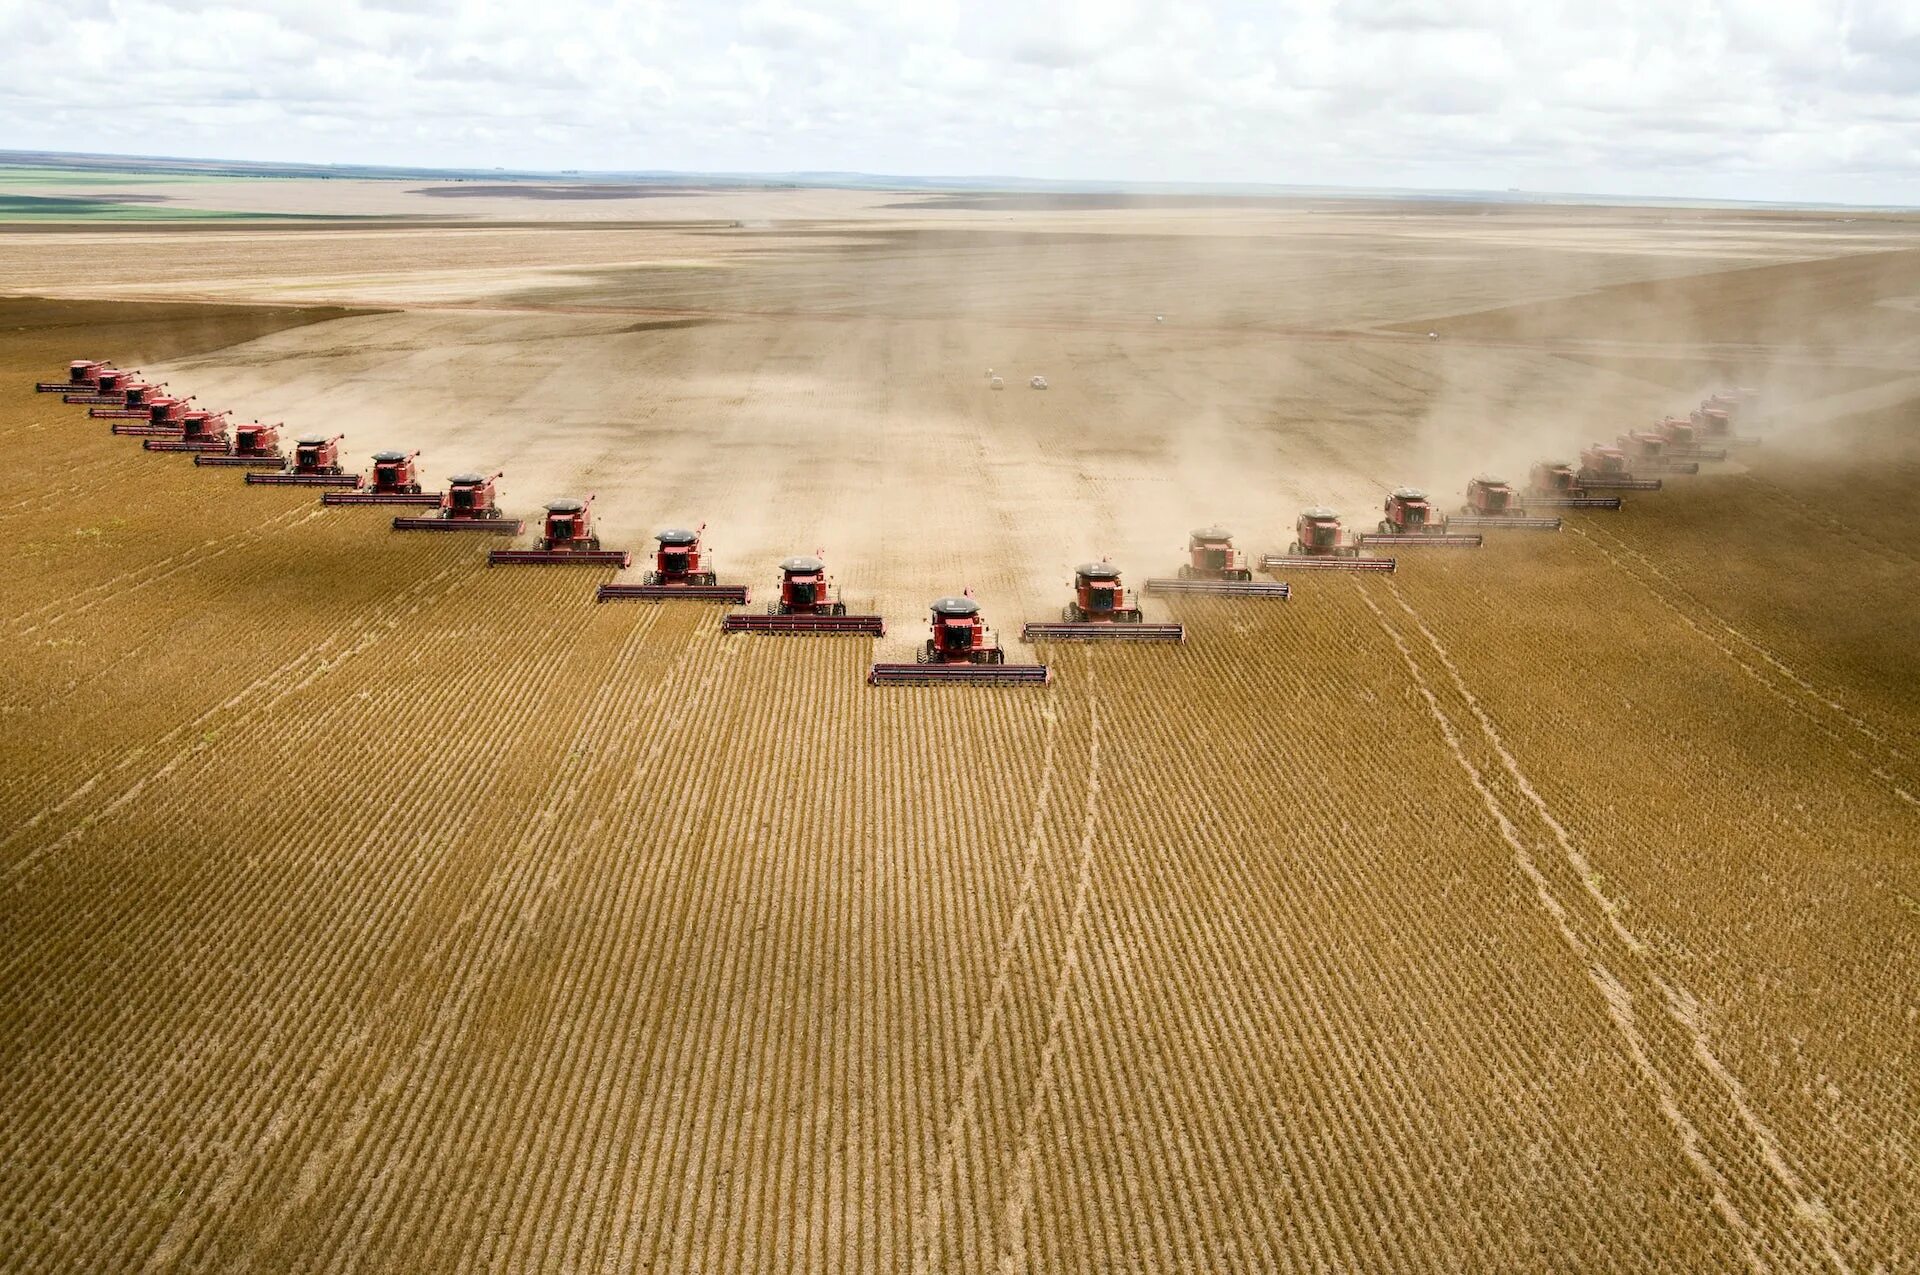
(1548,907)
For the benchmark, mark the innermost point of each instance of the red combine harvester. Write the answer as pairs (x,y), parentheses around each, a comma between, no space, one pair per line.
(1214,566)
(566,537)
(679,571)
(1682,439)
(469,505)
(1410,521)
(199,432)
(256,445)
(807,605)
(1713,422)
(141,410)
(1604,468)
(1646,450)
(1552,485)
(396,481)
(109,389)
(164,417)
(1100,611)
(83,377)
(316,463)
(1490,503)
(1320,545)
(961,649)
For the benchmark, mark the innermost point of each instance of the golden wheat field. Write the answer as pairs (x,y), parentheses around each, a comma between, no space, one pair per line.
(1549,907)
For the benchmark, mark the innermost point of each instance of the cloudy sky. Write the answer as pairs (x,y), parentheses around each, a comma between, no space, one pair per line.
(1795,99)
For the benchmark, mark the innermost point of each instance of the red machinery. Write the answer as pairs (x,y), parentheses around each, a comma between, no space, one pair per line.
(1214,566)
(1713,421)
(679,571)
(565,537)
(256,445)
(1604,468)
(1101,611)
(1410,521)
(396,481)
(83,377)
(1552,485)
(140,409)
(316,463)
(199,432)
(1682,438)
(1319,544)
(109,388)
(1490,503)
(469,505)
(1647,450)
(163,417)
(807,605)
(960,649)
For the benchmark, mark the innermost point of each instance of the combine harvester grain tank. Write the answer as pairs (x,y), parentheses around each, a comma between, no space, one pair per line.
(256,445)
(679,574)
(316,463)
(807,604)
(1604,468)
(960,648)
(1408,519)
(1320,544)
(471,503)
(1491,504)
(1552,484)
(396,481)
(566,539)
(1101,611)
(1214,566)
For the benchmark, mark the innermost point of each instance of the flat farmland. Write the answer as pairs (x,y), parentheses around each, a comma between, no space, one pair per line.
(1548,907)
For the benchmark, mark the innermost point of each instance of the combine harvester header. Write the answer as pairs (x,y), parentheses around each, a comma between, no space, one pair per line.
(1552,485)
(1100,612)
(470,504)
(396,481)
(1214,566)
(316,463)
(1490,503)
(1320,545)
(807,605)
(256,445)
(1409,521)
(566,539)
(679,573)
(960,649)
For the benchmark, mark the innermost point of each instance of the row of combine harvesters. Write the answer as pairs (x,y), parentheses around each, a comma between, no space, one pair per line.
(960,647)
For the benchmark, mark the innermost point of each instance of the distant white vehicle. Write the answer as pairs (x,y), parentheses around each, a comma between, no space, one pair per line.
(1038,382)
(996,384)
(1159,318)
(1433,336)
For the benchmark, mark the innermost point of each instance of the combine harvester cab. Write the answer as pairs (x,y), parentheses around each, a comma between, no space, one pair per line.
(1647,450)
(1552,485)
(566,539)
(316,463)
(1490,503)
(83,377)
(1604,468)
(960,649)
(1409,520)
(163,417)
(1681,439)
(256,445)
(807,605)
(199,432)
(396,481)
(1320,545)
(679,573)
(1101,612)
(108,390)
(470,504)
(1214,566)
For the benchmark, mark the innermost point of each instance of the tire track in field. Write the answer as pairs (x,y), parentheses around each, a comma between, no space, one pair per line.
(1862,540)
(1616,998)
(1013,1255)
(1896,783)
(927,1225)
(1681,1005)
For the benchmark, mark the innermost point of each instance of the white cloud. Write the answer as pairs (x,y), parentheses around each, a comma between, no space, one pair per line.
(1813,99)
